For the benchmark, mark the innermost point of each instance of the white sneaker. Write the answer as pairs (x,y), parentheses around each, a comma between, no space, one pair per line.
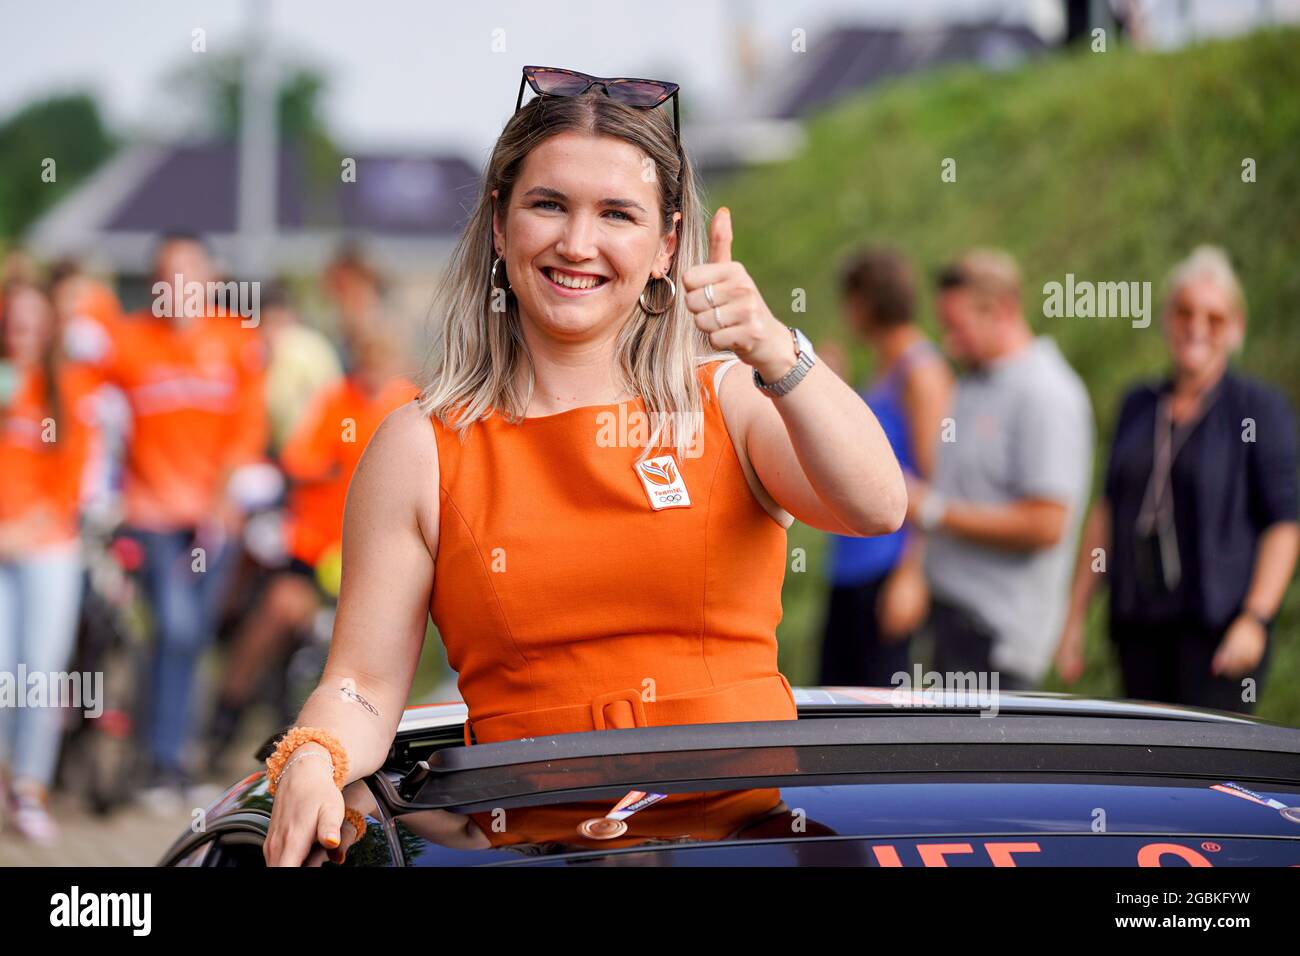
(31,818)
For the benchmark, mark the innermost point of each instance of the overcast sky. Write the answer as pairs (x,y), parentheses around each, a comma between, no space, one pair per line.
(404,73)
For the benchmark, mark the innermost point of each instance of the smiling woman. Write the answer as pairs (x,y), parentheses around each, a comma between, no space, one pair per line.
(582,580)
(585,205)
(556,232)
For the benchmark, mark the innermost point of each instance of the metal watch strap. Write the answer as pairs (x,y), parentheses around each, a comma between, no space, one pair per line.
(783,385)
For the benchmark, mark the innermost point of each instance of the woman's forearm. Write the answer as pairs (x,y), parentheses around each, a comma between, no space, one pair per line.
(844,454)
(364,718)
(1275,561)
(1096,535)
(384,593)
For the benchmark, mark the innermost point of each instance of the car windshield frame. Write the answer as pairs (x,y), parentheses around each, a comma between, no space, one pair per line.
(679,758)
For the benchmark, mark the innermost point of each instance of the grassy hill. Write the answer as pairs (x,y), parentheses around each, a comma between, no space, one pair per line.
(1109,166)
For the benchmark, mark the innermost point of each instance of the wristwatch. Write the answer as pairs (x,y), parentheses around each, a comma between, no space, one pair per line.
(805,358)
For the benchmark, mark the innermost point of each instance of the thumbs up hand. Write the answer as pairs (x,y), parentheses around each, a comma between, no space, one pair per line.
(720,236)
(728,306)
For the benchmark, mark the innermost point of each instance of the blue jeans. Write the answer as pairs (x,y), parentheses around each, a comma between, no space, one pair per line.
(40,600)
(185,603)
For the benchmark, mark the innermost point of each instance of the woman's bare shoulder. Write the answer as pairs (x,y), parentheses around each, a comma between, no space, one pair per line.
(931,370)
(400,466)
(407,437)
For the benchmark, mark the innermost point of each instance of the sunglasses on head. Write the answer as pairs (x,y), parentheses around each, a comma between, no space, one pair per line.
(630,91)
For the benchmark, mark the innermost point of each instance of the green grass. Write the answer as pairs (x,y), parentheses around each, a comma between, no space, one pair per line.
(1110,166)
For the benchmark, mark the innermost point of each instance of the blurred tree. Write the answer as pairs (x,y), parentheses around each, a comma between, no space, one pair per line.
(215,82)
(65,129)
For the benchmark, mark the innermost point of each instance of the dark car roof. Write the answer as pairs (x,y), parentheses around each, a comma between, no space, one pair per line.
(881,743)
(883,777)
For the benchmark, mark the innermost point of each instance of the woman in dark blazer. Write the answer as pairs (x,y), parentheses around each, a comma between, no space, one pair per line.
(1196,527)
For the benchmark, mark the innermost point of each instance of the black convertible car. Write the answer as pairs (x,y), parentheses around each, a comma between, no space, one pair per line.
(857,780)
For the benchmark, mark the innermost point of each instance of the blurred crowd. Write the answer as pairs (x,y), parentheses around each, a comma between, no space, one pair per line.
(1194,531)
(205,453)
(208,459)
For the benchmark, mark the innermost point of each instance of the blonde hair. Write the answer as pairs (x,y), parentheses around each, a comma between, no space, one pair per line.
(989,273)
(1206,262)
(477,352)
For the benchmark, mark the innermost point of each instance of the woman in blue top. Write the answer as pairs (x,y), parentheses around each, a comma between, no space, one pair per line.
(878,594)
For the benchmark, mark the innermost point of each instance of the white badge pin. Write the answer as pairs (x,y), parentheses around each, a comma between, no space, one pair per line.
(663,483)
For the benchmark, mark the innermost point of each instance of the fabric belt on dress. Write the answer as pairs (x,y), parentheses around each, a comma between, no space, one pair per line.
(621,709)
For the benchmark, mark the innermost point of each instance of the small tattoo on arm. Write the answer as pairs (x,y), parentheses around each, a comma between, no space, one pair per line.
(348,691)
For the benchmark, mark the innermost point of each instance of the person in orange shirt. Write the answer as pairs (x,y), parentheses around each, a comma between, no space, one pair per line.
(193,380)
(85,309)
(43,437)
(318,459)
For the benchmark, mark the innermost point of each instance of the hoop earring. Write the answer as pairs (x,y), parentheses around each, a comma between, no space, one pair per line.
(672,294)
(492,279)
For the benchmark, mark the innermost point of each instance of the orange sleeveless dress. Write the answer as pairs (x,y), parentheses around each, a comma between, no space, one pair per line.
(568,603)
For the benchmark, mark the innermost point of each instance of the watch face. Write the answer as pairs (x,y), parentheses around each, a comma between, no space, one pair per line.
(805,347)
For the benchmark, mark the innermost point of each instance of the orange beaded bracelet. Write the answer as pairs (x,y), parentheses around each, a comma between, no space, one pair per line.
(358,821)
(294,739)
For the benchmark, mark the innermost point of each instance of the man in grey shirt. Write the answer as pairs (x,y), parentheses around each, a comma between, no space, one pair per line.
(1011,482)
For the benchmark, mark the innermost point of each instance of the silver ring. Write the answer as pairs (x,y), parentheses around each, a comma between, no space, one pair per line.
(717,317)
(708,295)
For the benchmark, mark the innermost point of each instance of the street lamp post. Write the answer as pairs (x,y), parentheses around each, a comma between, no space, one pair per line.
(258,148)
